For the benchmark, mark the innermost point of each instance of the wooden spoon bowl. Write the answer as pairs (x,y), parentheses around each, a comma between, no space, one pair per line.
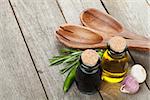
(77,33)
(77,36)
(99,21)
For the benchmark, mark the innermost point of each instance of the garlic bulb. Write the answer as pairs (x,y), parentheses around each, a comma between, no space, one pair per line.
(138,72)
(129,85)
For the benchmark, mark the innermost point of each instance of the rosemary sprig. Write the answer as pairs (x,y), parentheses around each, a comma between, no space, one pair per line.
(69,57)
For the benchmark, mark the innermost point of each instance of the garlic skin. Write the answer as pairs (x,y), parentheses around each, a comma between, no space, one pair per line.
(129,85)
(138,72)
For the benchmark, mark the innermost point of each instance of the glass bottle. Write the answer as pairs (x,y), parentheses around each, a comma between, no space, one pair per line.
(88,74)
(115,60)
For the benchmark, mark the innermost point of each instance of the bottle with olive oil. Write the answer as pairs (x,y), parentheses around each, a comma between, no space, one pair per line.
(115,60)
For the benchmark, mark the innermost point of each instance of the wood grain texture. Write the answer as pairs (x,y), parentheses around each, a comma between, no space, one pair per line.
(134,16)
(39,21)
(72,8)
(18,77)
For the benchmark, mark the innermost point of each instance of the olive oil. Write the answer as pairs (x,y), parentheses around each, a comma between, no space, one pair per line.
(114,62)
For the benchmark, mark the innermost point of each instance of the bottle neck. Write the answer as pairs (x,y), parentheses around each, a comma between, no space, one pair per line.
(89,69)
(116,55)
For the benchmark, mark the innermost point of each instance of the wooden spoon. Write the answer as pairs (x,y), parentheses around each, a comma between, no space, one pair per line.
(77,36)
(102,22)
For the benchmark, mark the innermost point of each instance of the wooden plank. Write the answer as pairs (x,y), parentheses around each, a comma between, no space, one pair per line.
(18,77)
(134,16)
(72,8)
(39,21)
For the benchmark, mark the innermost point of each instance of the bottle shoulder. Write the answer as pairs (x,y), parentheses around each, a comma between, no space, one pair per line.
(107,56)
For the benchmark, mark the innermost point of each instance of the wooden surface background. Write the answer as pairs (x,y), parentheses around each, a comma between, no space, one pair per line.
(27,41)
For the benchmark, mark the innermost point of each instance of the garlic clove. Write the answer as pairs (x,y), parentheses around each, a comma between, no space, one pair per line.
(129,85)
(123,90)
(138,72)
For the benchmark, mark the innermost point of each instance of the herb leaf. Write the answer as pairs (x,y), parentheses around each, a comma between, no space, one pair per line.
(69,66)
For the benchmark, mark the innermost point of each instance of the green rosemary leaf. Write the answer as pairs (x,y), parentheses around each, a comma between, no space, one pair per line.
(57,63)
(65,67)
(58,60)
(61,56)
(68,67)
(54,58)
(72,58)
(76,65)
(76,53)
(68,50)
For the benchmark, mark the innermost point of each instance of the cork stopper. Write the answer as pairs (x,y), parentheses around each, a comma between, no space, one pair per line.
(89,57)
(117,44)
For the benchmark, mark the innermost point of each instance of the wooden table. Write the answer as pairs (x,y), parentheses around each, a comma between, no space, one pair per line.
(27,41)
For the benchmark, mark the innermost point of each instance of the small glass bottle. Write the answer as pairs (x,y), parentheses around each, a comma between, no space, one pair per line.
(115,60)
(88,74)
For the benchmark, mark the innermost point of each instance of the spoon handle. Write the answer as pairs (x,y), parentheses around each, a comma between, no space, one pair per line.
(133,36)
(139,45)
